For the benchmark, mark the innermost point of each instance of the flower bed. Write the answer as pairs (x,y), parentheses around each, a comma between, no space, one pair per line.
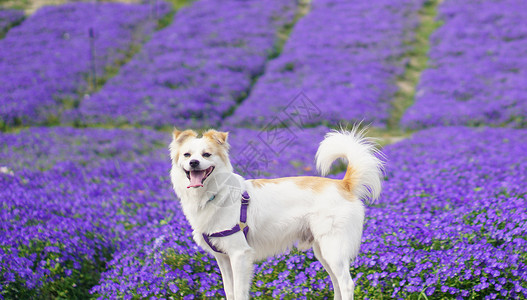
(451,223)
(452,219)
(69,197)
(478,69)
(72,197)
(8,18)
(161,258)
(48,61)
(278,152)
(344,56)
(192,73)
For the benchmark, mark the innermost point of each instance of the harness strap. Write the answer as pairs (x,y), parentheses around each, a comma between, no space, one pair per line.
(242,226)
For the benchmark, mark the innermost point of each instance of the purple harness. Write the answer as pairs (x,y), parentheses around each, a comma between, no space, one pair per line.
(242,226)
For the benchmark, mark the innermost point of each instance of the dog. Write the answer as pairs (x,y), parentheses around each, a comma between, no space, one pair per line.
(242,221)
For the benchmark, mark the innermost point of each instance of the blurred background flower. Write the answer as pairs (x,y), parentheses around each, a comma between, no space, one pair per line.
(90,91)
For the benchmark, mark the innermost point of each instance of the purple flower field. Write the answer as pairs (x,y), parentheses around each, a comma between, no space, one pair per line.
(47,60)
(462,218)
(194,71)
(478,72)
(344,56)
(89,212)
(68,197)
(71,197)
(79,197)
(105,194)
(8,18)
(452,220)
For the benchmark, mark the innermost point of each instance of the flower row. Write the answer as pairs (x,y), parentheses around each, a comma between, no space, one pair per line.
(69,196)
(194,71)
(74,198)
(343,58)
(452,218)
(478,72)
(59,52)
(8,18)
(450,224)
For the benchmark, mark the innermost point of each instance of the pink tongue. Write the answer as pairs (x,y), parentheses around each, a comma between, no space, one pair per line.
(195,178)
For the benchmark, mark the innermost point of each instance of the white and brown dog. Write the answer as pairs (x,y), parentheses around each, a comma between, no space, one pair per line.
(240,221)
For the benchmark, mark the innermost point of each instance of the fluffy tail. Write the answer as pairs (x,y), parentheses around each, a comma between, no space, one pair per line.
(365,162)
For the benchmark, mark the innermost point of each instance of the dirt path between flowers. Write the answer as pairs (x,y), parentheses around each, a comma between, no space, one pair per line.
(31,6)
(407,83)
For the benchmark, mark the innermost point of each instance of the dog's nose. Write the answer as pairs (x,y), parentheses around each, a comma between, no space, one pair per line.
(194,163)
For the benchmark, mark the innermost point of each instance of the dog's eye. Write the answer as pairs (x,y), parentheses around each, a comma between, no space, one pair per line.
(186,155)
(206,154)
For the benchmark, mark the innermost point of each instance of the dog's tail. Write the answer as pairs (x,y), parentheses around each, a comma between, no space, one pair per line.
(365,162)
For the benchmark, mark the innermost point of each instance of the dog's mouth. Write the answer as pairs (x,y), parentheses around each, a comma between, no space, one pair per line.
(197,177)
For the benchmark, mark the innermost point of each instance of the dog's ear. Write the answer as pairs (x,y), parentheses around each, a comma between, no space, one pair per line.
(181,136)
(217,136)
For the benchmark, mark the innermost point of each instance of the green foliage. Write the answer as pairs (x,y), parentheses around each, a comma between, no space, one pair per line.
(65,280)
(197,264)
(15,4)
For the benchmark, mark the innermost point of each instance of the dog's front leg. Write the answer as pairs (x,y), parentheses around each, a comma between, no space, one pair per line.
(242,267)
(224,263)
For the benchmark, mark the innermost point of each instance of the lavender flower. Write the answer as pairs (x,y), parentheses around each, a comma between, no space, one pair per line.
(193,72)
(73,198)
(9,18)
(451,216)
(450,223)
(47,60)
(68,201)
(344,56)
(91,213)
(478,72)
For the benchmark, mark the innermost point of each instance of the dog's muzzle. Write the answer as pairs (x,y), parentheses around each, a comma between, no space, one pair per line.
(197,177)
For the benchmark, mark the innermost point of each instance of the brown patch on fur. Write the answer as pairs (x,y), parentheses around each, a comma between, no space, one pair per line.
(181,136)
(317,184)
(176,157)
(349,182)
(217,136)
(221,152)
(261,182)
(219,145)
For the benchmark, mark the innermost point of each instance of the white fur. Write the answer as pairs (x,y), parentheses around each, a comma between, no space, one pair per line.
(281,214)
(360,153)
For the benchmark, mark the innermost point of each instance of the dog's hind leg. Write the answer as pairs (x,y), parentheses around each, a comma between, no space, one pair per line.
(226,274)
(338,261)
(318,255)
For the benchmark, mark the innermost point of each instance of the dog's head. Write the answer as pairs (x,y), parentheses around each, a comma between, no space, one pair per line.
(199,158)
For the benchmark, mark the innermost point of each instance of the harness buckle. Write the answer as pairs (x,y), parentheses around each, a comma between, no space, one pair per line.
(242,225)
